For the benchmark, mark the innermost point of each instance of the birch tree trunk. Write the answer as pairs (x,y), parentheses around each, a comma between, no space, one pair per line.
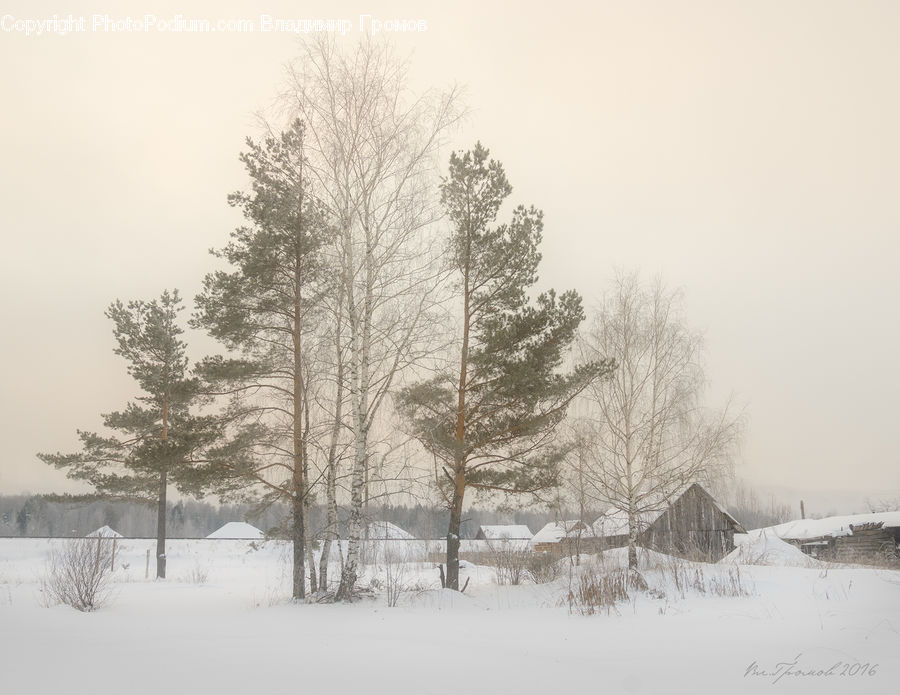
(332,463)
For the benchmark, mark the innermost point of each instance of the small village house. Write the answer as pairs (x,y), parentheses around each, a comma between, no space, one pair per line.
(856,538)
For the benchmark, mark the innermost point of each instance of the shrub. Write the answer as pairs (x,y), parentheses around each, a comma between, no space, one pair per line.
(78,573)
(543,568)
(510,562)
(394,575)
(198,575)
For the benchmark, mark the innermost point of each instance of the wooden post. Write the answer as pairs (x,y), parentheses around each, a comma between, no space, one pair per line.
(97,560)
(147,571)
(802,510)
(112,562)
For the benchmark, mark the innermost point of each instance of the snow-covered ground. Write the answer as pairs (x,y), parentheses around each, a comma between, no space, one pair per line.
(222,623)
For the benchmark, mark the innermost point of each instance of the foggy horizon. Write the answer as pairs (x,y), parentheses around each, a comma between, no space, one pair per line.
(746,154)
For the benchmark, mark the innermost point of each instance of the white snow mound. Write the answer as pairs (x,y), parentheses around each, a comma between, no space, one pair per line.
(762,547)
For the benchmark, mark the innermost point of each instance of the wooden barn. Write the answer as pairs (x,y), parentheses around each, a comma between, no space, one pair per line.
(693,525)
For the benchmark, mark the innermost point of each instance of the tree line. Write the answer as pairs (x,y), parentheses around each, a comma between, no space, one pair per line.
(63,516)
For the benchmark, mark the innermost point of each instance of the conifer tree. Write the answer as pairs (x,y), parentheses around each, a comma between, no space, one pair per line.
(156,436)
(265,311)
(489,420)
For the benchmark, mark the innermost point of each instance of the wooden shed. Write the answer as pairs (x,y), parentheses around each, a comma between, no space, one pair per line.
(867,543)
(872,538)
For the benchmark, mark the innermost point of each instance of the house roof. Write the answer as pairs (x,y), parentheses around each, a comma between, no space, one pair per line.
(385,530)
(555,531)
(615,522)
(237,530)
(106,532)
(512,531)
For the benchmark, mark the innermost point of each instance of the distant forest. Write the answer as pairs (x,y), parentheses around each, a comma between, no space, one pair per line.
(59,515)
(56,516)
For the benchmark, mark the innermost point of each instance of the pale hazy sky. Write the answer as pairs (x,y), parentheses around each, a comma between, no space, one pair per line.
(748,152)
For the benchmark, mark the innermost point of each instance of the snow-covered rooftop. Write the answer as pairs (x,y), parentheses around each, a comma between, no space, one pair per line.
(801,529)
(385,530)
(615,523)
(106,532)
(499,531)
(239,530)
(555,531)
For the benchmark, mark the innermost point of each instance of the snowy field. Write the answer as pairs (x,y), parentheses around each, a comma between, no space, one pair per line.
(222,623)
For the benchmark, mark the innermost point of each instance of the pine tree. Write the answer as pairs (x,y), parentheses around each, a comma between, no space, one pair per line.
(156,436)
(490,422)
(266,311)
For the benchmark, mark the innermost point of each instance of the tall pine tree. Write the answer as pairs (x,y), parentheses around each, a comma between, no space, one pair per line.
(156,436)
(490,420)
(266,311)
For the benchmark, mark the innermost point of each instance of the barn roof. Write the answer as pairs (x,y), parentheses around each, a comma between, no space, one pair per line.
(511,531)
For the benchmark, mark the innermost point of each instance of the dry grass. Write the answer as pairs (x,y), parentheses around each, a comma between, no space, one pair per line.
(596,590)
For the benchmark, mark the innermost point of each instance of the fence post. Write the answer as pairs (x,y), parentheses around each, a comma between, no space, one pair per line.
(147,570)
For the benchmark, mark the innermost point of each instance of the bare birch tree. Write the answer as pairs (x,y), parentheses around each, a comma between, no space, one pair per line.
(650,432)
(372,152)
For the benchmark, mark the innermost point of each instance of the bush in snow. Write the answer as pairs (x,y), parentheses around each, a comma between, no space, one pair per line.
(543,568)
(78,573)
(510,562)
(394,574)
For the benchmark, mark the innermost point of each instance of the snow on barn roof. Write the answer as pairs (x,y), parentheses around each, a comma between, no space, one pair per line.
(385,530)
(237,530)
(106,532)
(555,531)
(511,531)
(802,529)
